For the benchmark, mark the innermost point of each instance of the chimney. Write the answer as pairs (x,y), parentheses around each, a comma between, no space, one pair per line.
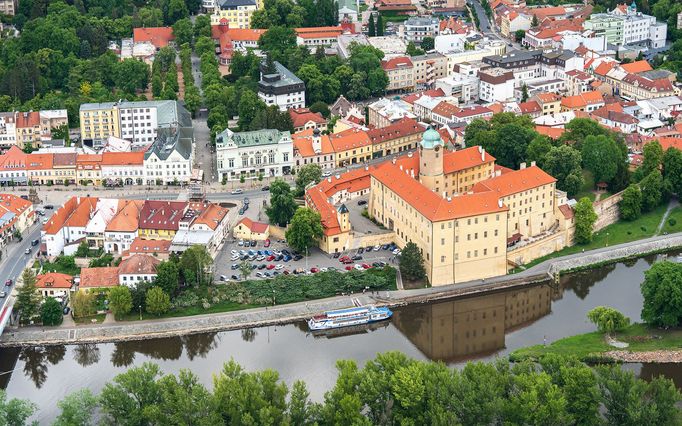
(401,167)
(532,163)
(412,172)
(393,161)
(329,179)
(523,166)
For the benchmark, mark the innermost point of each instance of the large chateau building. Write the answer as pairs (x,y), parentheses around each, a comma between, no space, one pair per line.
(470,218)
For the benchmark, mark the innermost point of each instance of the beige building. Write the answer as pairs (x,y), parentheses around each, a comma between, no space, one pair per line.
(465,214)
(33,127)
(247,229)
(8,7)
(428,68)
(400,72)
(99,121)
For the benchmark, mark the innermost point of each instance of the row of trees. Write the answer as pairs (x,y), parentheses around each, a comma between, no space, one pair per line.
(391,389)
(295,14)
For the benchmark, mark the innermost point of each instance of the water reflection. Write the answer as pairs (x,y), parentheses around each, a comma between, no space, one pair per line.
(86,354)
(470,327)
(170,348)
(37,360)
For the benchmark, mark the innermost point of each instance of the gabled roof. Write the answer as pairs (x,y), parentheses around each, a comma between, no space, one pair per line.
(303,143)
(138,264)
(396,63)
(529,107)
(71,213)
(127,218)
(99,277)
(301,116)
(39,161)
(401,128)
(13,159)
(257,227)
(211,216)
(164,215)
(54,280)
(158,36)
(142,246)
(637,67)
(349,139)
(515,181)
(122,158)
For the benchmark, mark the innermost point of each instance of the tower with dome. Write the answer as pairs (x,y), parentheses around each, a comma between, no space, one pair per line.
(431,160)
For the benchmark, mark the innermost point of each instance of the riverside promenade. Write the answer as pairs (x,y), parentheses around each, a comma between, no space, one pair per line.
(283,314)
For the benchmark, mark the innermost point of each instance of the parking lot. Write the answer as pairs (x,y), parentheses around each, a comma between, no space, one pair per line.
(228,260)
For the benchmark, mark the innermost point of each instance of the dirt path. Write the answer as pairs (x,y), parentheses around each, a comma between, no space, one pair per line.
(671,205)
(649,356)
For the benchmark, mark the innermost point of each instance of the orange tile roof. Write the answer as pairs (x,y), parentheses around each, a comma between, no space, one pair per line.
(54,280)
(604,68)
(548,97)
(257,227)
(89,159)
(27,119)
(303,143)
(158,36)
(141,245)
(529,107)
(127,218)
(670,143)
(445,109)
(99,277)
(413,97)
(515,182)
(122,158)
(637,67)
(138,264)
(552,132)
(39,162)
(431,205)
(349,139)
(401,128)
(211,216)
(454,161)
(319,32)
(14,204)
(243,34)
(66,211)
(352,181)
(301,116)
(13,159)
(396,63)
(545,12)
(82,213)
(582,100)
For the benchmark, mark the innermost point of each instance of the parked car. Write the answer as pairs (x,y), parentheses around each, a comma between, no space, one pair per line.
(270,258)
(8,283)
(262,266)
(234,277)
(286,252)
(336,255)
(270,267)
(356,257)
(259,274)
(260,258)
(35,242)
(362,202)
(2,294)
(278,267)
(233,252)
(331,268)
(267,243)
(349,267)
(326,174)
(246,201)
(66,310)
(323,269)
(369,248)
(287,258)
(265,188)
(365,266)
(234,267)
(379,264)
(396,252)
(279,257)
(358,267)
(234,191)
(240,243)
(298,257)
(314,270)
(361,250)
(48,207)
(223,278)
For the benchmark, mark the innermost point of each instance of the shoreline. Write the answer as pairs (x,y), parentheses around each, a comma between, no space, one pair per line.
(545,272)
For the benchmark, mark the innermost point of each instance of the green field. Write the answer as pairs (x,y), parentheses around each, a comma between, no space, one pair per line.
(591,345)
(618,233)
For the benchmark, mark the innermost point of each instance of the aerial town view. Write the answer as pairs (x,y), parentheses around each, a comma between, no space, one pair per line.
(340,212)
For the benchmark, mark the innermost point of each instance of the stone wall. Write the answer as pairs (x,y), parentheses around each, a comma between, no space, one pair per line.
(531,251)
(611,255)
(608,211)
(277,232)
(366,240)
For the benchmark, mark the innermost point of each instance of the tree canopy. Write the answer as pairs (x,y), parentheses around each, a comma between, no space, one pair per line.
(584,220)
(282,203)
(412,263)
(506,137)
(662,291)
(305,229)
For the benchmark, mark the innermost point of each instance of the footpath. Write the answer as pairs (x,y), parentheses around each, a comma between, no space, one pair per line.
(258,317)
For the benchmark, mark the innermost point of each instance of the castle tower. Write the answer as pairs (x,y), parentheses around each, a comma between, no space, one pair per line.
(317,141)
(344,218)
(431,160)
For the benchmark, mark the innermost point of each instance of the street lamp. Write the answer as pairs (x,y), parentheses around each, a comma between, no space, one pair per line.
(273,297)
(140,306)
(607,239)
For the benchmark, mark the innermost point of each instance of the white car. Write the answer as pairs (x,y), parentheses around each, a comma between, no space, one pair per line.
(377,248)
(259,274)
(260,258)
(233,252)
(237,191)
(359,267)
(396,252)
(278,267)
(233,258)
(324,269)
(240,243)
(326,174)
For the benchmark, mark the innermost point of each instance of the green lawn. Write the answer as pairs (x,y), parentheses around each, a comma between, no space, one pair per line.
(618,233)
(584,346)
(99,318)
(674,221)
(191,311)
(587,188)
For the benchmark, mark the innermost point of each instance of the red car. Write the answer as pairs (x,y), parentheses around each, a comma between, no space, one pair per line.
(267,243)
(349,267)
(344,259)
(366,266)
(314,270)
(8,283)
(270,258)
(270,266)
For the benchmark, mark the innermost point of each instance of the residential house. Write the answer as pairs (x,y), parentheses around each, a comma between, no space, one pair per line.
(35,126)
(550,103)
(314,37)
(121,230)
(13,168)
(588,102)
(160,220)
(169,160)
(137,268)
(303,118)
(312,147)
(122,168)
(415,28)
(401,136)
(265,152)
(351,147)
(496,85)
(428,68)
(387,111)
(54,284)
(400,72)
(236,12)
(247,229)
(281,87)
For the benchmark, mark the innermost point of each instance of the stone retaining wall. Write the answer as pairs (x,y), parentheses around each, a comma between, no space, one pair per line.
(608,211)
(633,250)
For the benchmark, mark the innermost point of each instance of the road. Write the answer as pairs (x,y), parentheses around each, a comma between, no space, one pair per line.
(485,26)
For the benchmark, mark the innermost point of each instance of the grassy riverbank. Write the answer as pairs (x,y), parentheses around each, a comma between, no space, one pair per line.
(589,346)
(621,232)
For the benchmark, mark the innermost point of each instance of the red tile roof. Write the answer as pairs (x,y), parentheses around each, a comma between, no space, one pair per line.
(54,280)
(301,116)
(401,128)
(515,182)
(165,215)
(319,32)
(257,227)
(122,158)
(66,211)
(303,143)
(27,119)
(396,63)
(13,159)
(158,36)
(529,107)
(552,132)
(413,97)
(349,139)
(99,277)
(143,246)
(637,67)
(138,264)
(127,218)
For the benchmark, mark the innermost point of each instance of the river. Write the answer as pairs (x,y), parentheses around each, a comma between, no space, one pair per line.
(455,331)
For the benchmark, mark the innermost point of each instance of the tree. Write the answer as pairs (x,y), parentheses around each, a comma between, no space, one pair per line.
(176,10)
(183,400)
(524,92)
(413,50)
(305,229)
(534,23)
(158,301)
(28,299)
(600,156)
(192,98)
(167,277)
(77,409)
(277,42)
(120,301)
(652,190)
(631,204)
(282,204)
(126,400)
(157,86)
(183,31)
(578,129)
(83,304)
(249,106)
(563,163)
(51,312)
(195,265)
(307,174)
(245,269)
(608,320)
(412,263)
(672,169)
(380,25)
(61,132)
(15,412)
(427,44)
(584,220)
(519,35)
(272,118)
(320,107)
(371,28)
(661,290)
(653,159)
(301,409)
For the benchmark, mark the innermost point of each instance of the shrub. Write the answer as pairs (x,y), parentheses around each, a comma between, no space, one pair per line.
(672,221)
(608,319)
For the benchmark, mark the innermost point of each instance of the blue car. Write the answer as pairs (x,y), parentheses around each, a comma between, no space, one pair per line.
(287,258)
(267,252)
(260,252)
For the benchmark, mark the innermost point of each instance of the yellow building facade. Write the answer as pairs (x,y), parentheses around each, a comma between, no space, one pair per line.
(236,12)
(98,123)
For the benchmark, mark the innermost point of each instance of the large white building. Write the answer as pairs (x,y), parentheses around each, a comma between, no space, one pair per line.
(281,88)
(625,25)
(250,154)
(169,159)
(415,28)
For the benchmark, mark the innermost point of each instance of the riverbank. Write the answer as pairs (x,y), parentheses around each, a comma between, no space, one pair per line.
(283,314)
(644,344)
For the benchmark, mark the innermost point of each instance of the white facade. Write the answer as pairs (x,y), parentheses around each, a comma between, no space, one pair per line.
(496,90)
(464,87)
(449,43)
(129,174)
(8,129)
(571,40)
(281,88)
(250,154)
(131,280)
(174,167)
(416,28)
(138,124)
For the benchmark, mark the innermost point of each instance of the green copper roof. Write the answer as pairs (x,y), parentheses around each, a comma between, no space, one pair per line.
(431,138)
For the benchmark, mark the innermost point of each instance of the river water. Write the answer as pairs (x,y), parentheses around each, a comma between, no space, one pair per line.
(455,331)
